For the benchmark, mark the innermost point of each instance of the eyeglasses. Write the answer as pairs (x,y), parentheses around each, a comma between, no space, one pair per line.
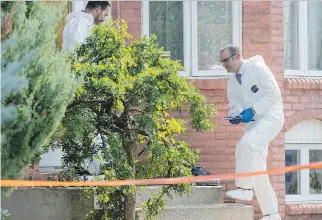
(225,60)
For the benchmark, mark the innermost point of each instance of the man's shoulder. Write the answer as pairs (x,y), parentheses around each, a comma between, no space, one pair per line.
(80,16)
(80,20)
(256,65)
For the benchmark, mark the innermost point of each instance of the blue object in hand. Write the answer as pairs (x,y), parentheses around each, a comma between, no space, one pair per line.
(235,121)
(247,115)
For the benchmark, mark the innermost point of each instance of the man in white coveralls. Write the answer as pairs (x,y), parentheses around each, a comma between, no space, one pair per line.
(253,95)
(77,29)
(80,23)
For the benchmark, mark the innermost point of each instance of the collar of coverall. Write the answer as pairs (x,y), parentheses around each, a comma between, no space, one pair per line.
(243,67)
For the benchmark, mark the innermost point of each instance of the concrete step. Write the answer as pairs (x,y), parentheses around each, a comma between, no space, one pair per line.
(200,195)
(206,212)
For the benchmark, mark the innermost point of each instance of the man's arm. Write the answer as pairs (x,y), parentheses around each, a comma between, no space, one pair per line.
(234,106)
(273,93)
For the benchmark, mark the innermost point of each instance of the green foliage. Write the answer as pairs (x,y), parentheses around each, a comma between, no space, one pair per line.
(41,104)
(5,215)
(11,82)
(125,101)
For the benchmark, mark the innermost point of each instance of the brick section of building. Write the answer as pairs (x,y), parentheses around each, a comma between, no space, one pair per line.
(131,13)
(31,172)
(306,209)
(304,212)
(262,33)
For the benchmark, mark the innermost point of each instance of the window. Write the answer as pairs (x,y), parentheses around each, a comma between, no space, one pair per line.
(303,38)
(303,146)
(79,5)
(194,32)
(304,185)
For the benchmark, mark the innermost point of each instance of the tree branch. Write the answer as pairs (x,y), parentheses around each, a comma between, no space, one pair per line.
(135,110)
(80,102)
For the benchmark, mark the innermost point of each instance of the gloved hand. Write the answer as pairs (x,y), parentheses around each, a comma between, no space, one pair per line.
(235,121)
(247,115)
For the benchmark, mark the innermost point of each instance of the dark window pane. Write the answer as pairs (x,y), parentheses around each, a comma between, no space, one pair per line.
(315,175)
(292,179)
(166,22)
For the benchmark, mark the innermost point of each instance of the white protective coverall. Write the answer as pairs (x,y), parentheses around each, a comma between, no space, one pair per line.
(258,89)
(77,29)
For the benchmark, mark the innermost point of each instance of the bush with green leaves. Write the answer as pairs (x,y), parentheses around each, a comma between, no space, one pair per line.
(39,106)
(5,215)
(125,105)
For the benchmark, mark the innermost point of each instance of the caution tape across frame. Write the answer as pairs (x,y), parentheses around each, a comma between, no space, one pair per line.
(160,181)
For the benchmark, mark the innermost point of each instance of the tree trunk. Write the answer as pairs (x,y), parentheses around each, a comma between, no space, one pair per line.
(130,198)
(130,206)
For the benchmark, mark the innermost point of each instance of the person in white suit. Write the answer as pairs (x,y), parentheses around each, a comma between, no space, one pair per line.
(77,29)
(79,23)
(255,97)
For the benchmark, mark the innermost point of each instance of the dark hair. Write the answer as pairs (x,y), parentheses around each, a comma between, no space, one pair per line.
(93,4)
(233,49)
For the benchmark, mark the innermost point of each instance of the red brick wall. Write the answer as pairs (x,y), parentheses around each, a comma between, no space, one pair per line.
(302,101)
(304,211)
(31,172)
(262,34)
(304,217)
(131,12)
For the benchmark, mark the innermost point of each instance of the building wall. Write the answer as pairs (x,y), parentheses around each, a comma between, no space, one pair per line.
(31,172)
(262,31)
(262,34)
(131,12)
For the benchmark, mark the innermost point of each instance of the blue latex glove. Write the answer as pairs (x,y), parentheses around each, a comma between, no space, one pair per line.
(235,121)
(247,115)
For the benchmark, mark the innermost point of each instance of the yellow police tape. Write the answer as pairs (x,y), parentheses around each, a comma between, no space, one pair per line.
(161,181)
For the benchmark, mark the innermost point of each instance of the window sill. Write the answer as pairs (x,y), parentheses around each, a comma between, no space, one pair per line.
(303,83)
(303,209)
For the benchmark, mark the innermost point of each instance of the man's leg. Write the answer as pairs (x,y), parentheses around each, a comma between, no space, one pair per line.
(251,152)
(263,189)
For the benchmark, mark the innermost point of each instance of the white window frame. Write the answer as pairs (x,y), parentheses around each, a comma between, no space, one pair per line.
(191,40)
(303,47)
(78,5)
(303,174)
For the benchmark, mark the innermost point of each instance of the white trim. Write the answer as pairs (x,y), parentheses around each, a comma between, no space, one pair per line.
(78,5)
(297,199)
(303,47)
(194,39)
(300,201)
(186,39)
(292,73)
(303,174)
(315,146)
(237,23)
(313,73)
(145,18)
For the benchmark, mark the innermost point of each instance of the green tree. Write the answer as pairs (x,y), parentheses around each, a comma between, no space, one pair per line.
(39,106)
(127,100)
